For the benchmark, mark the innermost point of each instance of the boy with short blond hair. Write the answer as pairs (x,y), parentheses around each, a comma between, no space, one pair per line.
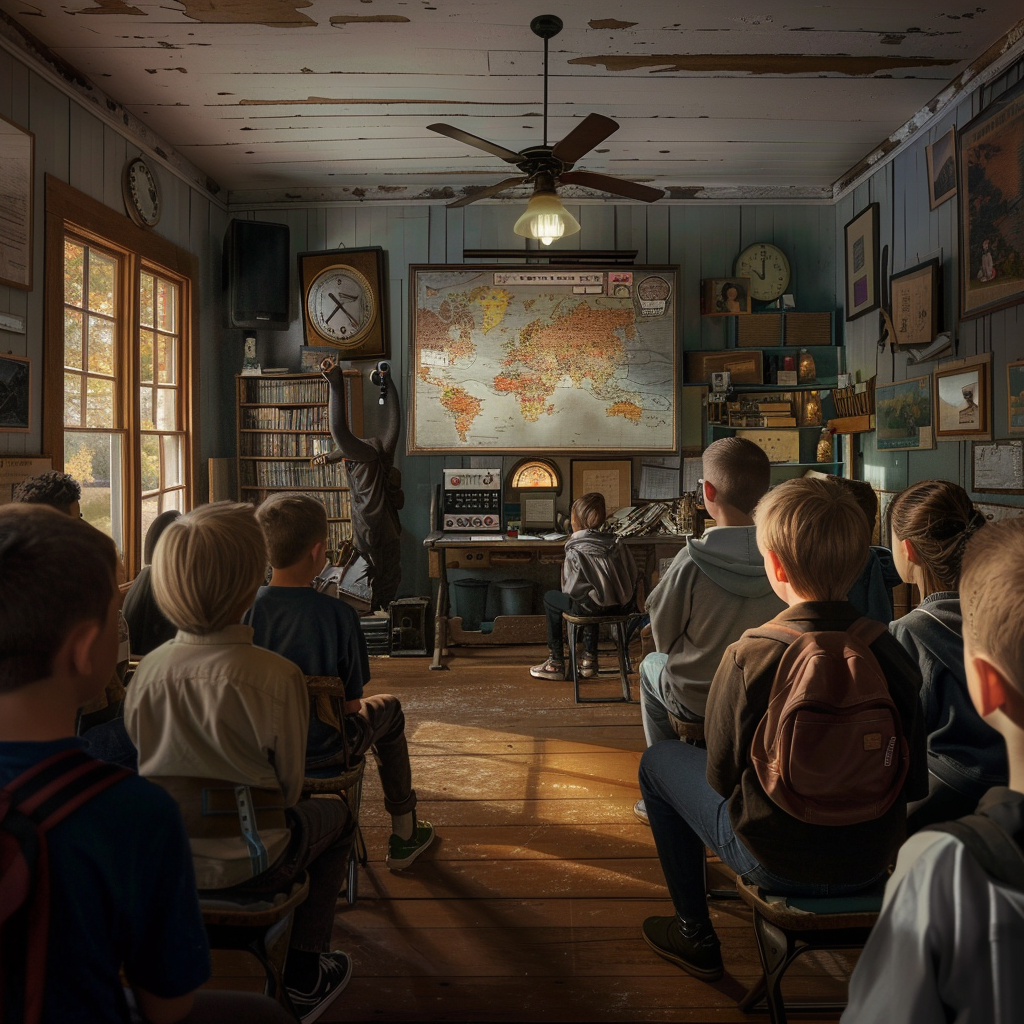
(323,637)
(216,719)
(714,589)
(812,537)
(950,939)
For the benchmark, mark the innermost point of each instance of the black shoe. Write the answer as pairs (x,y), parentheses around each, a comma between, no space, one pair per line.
(335,972)
(700,956)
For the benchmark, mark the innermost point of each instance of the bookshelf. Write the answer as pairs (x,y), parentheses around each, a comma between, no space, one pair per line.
(282,424)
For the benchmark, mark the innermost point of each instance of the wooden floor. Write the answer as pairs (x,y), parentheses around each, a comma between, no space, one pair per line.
(529,905)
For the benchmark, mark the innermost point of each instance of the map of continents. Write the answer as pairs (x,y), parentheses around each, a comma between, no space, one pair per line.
(538,367)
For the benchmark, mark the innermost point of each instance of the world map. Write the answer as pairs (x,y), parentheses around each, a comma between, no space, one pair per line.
(556,361)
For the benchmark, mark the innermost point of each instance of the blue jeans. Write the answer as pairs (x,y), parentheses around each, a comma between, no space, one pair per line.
(686,815)
(655,704)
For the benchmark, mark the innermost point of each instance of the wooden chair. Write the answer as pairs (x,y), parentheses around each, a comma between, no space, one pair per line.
(785,927)
(617,626)
(347,782)
(261,927)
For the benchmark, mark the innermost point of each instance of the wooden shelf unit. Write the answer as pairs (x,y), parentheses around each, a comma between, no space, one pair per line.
(274,452)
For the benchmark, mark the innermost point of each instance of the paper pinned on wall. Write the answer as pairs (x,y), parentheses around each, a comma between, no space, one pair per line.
(668,461)
(658,483)
(693,470)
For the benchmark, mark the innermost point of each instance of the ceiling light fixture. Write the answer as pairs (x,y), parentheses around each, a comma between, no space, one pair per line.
(546,218)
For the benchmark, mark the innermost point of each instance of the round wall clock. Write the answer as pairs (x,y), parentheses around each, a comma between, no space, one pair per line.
(768,269)
(341,306)
(141,193)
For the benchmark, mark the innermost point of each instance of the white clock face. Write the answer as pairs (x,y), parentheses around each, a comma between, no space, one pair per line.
(340,306)
(768,269)
(143,193)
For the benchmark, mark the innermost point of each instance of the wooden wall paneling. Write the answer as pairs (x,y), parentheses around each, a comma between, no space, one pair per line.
(685,234)
(719,228)
(340,227)
(316,229)
(115,149)
(598,227)
(86,167)
(657,234)
(437,232)
(455,236)
(7,85)
(631,233)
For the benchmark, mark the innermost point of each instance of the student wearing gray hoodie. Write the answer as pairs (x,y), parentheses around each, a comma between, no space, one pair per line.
(715,588)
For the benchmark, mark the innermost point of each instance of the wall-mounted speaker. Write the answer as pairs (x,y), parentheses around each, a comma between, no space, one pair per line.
(257,269)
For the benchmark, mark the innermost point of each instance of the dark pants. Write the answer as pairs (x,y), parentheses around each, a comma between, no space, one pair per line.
(943,803)
(380,725)
(555,602)
(322,834)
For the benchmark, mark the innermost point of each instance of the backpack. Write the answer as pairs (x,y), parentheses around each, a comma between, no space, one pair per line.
(830,749)
(30,806)
(990,845)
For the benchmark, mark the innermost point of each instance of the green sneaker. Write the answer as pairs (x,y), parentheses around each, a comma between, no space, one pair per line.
(402,852)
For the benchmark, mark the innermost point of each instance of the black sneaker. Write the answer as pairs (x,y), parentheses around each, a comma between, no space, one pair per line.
(335,973)
(700,956)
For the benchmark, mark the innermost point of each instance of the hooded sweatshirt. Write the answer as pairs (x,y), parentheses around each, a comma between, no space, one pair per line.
(963,751)
(715,588)
(598,569)
(871,595)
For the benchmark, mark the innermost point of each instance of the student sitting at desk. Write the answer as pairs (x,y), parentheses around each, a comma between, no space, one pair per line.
(598,578)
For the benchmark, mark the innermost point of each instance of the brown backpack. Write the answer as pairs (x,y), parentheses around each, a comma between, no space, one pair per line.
(830,749)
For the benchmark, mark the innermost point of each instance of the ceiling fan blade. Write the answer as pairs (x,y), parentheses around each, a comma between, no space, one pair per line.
(486,193)
(472,140)
(590,132)
(617,186)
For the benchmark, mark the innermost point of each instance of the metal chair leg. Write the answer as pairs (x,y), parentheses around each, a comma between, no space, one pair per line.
(620,643)
(573,668)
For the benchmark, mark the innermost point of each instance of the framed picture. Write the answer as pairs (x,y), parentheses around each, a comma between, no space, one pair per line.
(941,156)
(997,466)
(16,157)
(963,399)
(1015,397)
(613,479)
(15,393)
(725,296)
(904,414)
(862,263)
(990,157)
(915,304)
(745,365)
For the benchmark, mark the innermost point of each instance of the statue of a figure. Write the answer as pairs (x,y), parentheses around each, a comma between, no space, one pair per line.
(375,485)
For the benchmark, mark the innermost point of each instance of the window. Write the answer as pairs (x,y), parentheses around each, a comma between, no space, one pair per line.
(123,358)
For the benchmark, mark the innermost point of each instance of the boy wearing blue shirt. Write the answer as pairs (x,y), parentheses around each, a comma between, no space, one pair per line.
(322,636)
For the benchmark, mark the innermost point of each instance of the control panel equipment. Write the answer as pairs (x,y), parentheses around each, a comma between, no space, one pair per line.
(471,501)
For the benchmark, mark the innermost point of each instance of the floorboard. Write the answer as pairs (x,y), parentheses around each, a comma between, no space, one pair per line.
(529,905)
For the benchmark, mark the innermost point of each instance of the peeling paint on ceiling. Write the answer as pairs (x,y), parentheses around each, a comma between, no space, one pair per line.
(763,63)
(341,20)
(271,13)
(612,23)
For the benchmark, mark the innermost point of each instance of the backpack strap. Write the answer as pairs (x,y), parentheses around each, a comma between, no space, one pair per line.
(864,629)
(990,845)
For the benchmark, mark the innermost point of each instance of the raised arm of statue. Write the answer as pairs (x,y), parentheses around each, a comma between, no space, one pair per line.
(393,422)
(349,446)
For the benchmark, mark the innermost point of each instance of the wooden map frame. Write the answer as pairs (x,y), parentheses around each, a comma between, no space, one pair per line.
(670,272)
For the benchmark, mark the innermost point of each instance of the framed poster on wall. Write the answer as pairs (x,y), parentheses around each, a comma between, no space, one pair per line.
(543,359)
(941,158)
(861,236)
(915,304)
(904,415)
(963,399)
(16,157)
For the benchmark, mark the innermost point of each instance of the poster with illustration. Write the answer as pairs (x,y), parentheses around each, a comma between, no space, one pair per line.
(963,400)
(903,415)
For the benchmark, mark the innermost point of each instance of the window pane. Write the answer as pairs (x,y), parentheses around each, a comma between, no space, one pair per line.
(101,283)
(166,303)
(146,409)
(146,300)
(72,401)
(165,403)
(173,499)
(171,447)
(74,264)
(99,402)
(168,351)
(94,460)
(150,510)
(72,339)
(146,356)
(101,346)
(150,449)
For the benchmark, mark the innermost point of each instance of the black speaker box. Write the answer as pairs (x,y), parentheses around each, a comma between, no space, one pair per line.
(257,268)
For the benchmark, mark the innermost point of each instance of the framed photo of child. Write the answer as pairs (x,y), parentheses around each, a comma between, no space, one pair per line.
(963,400)
(725,296)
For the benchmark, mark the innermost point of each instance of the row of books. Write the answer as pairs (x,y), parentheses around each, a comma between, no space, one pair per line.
(337,534)
(292,474)
(337,503)
(290,445)
(259,390)
(312,418)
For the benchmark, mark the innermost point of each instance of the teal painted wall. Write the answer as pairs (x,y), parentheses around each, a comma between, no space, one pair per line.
(914,234)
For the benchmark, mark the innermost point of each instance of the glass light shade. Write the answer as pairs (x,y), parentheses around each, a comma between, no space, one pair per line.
(546,218)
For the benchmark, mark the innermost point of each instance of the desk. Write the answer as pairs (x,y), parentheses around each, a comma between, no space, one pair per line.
(457,551)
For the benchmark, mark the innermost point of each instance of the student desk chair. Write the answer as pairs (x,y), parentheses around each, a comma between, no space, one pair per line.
(617,626)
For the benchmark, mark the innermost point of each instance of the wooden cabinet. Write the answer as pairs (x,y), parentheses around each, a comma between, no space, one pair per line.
(282,424)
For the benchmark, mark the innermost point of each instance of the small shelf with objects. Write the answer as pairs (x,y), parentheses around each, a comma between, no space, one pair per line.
(282,425)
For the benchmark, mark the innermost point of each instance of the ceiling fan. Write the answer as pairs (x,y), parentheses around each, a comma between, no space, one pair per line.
(550,166)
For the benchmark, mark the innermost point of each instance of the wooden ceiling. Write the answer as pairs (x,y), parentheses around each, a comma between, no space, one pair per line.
(320,99)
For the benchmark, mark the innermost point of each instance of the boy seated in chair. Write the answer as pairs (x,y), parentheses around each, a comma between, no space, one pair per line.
(598,578)
(813,538)
(322,636)
(949,942)
(221,724)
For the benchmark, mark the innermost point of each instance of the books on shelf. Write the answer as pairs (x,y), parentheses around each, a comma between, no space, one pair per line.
(337,503)
(287,446)
(311,389)
(292,474)
(302,418)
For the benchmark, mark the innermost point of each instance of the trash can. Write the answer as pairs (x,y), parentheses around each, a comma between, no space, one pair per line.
(515,597)
(471,601)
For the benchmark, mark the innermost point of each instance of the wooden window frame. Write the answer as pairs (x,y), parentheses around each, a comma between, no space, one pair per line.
(70,212)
